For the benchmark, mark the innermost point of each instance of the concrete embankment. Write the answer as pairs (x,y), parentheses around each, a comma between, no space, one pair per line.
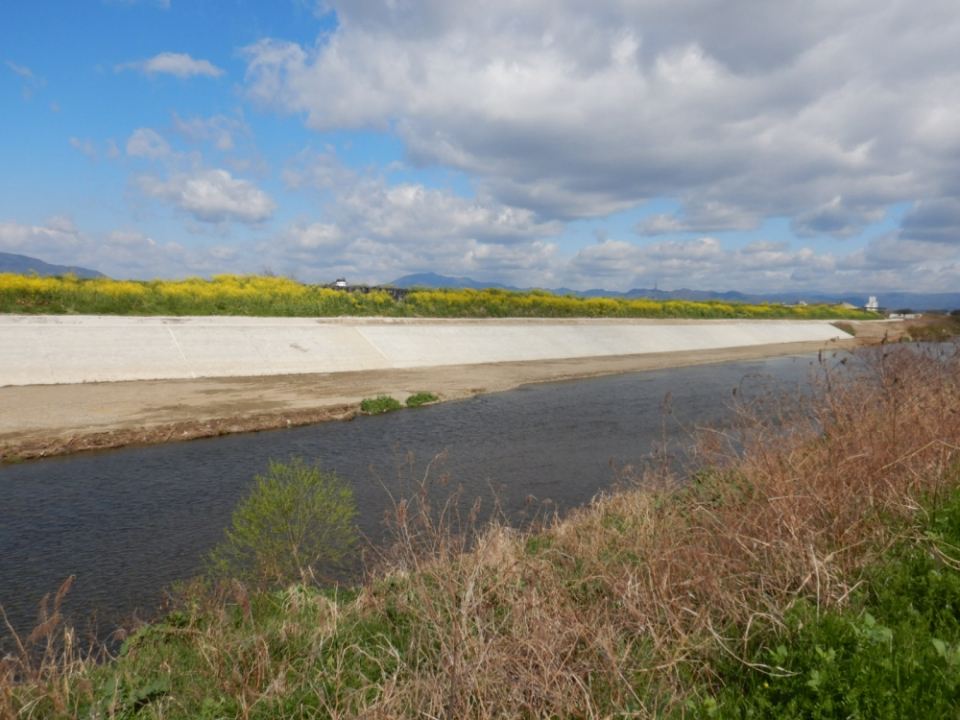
(43,350)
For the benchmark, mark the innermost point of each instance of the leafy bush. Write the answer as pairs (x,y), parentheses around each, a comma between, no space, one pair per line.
(421,398)
(296,519)
(380,404)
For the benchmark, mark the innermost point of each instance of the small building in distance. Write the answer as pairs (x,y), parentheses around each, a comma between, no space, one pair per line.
(872,305)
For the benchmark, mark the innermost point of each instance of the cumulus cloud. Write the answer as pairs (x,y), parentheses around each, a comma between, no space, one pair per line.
(179,65)
(184,180)
(933,221)
(119,253)
(384,230)
(887,263)
(579,110)
(211,196)
(57,235)
(410,212)
(147,143)
(379,231)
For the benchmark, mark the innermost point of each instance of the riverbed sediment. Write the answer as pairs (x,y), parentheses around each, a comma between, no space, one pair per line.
(48,420)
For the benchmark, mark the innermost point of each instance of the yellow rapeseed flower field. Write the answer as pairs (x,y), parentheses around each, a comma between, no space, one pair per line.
(258,295)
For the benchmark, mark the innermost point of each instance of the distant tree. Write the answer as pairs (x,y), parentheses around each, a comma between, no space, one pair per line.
(296,519)
(955,313)
(904,311)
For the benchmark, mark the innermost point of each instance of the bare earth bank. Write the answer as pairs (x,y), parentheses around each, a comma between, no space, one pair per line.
(46,420)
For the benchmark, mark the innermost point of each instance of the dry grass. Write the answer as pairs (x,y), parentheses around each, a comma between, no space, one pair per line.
(619,608)
(50,663)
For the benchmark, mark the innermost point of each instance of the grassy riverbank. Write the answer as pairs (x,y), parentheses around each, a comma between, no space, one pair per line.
(255,295)
(808,568)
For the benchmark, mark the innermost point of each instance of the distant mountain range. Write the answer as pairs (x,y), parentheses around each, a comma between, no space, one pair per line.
(890,301)
(22,265)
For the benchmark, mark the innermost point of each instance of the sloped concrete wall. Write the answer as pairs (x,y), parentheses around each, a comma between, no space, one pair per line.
(38,350)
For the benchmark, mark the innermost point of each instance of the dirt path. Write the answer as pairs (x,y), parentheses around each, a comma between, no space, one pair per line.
(46,420)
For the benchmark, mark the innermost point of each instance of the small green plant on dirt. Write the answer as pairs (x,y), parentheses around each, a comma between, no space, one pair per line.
(296,520)
(421,398)
(380,404)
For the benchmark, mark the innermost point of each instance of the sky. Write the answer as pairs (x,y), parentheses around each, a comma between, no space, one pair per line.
(801,145)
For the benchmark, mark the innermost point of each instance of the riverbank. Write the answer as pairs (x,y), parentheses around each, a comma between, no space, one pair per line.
(808,569)
(48,420)
(44,420)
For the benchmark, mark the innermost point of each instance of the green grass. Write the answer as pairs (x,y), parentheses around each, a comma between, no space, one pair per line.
(421,398)
(380,404)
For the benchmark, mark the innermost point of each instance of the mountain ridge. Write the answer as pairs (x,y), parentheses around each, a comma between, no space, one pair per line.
(24,264)
(891,301)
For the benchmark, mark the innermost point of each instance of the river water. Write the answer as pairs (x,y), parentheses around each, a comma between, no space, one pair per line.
(129,522)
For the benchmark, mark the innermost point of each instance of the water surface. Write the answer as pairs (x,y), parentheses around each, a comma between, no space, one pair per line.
(129,522)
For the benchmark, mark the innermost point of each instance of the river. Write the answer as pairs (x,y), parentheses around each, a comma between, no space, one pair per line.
(129,522)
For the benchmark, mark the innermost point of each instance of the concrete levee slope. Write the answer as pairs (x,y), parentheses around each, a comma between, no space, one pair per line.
(43,350)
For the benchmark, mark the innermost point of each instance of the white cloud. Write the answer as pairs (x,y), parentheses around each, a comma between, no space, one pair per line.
(383,231)
(57,235)
(121,253)
(147,143)
(377,231)
(179,65)
(568,109)
(211,196)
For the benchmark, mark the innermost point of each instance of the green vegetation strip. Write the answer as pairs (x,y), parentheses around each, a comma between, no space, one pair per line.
(254,295)
(421,398)
(380,404)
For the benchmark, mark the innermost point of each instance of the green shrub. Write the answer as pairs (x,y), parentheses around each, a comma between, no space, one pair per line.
(421,398)
(380,404)
(296,519)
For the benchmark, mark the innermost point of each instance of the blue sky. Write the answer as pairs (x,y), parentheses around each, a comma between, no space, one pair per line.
(708,144)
